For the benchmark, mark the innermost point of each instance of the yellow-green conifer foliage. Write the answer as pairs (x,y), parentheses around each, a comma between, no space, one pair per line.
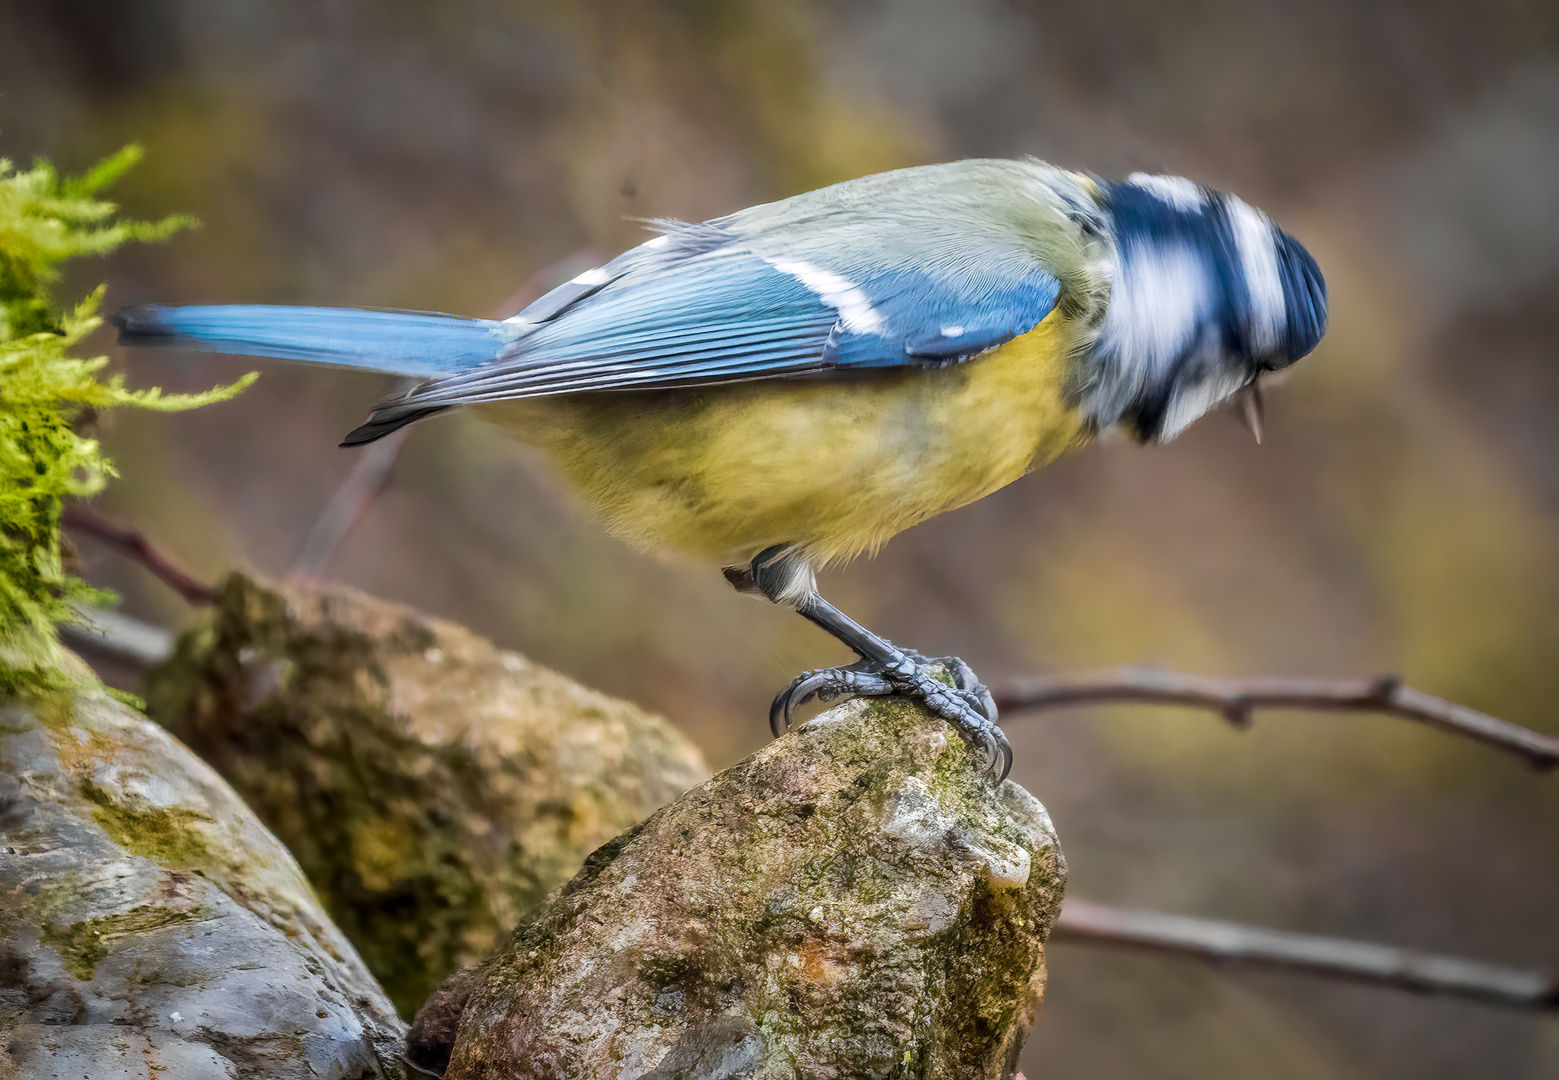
(45,219)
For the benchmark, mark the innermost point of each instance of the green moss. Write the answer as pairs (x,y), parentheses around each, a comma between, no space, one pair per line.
(51,701)
(82,944)
(45,219)
(125,697)
(164,834)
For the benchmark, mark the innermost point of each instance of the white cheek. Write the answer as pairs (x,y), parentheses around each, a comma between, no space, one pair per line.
(1257,247)
(1190,402)
(1157,302)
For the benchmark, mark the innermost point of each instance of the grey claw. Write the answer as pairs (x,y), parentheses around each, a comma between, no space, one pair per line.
(779,713)
(1004,748)
(786,702)
(991,751)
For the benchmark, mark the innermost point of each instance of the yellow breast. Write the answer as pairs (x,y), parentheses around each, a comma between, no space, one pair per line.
(835,467)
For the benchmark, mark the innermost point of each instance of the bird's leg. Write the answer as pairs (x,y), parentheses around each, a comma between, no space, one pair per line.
(785,578)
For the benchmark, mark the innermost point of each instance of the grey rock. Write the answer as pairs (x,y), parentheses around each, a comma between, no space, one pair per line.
(151,927)
(852,901)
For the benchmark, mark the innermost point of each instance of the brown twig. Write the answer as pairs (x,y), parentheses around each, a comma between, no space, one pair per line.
(129,542)
(1237,699)
(1337,958)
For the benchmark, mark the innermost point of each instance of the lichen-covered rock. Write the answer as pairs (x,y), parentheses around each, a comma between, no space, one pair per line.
(151,927)
(433,786)
(853,901)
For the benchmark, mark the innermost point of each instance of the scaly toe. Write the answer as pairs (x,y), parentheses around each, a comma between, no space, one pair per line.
(974,691)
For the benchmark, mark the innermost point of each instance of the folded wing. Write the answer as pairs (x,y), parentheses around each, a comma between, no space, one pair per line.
(706,304)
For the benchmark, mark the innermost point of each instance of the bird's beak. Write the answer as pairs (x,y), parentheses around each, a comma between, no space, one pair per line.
(1251,409)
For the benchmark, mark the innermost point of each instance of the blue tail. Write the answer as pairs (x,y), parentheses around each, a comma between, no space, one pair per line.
(401,342)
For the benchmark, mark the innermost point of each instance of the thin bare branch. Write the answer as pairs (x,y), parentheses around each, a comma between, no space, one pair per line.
(369,476)
(119,638)
(129,542)
(1334,958)
(1237,699)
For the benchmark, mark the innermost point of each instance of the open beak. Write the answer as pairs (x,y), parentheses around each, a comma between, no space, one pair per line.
(1251,409)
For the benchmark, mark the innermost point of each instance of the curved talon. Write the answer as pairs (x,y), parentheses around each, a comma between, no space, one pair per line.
(810,685)
(778,722)
(992,754)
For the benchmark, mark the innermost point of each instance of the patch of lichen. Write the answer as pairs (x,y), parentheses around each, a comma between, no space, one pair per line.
(83,944)
(166,834)
(988,971)
(984,969)
(45,390)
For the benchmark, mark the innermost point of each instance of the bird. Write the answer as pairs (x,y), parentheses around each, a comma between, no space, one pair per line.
(790,385)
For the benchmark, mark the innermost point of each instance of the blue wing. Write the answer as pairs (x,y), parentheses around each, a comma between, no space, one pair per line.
(701,305)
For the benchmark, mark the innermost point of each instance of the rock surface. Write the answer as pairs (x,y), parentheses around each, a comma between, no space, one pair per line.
(151,927)
(433,786)
(853,901)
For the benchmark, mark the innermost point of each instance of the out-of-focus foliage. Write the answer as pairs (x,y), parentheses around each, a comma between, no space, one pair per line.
(44,220)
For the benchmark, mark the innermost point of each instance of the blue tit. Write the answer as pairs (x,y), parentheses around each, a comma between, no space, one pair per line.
(790,385)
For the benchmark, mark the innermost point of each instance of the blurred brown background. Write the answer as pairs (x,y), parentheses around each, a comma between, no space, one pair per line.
(1402,516)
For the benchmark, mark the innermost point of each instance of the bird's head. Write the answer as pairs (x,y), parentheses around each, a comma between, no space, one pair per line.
(1207,295)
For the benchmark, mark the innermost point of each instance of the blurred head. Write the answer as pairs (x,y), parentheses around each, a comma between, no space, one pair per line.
(1207,295)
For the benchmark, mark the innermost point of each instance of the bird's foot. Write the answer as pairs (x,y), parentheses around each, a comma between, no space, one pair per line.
(967,705)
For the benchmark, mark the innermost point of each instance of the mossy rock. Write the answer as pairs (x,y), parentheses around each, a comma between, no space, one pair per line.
(150,925)
(433,786)
(852,901)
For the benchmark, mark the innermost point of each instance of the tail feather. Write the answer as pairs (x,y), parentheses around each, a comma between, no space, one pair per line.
(413,343)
